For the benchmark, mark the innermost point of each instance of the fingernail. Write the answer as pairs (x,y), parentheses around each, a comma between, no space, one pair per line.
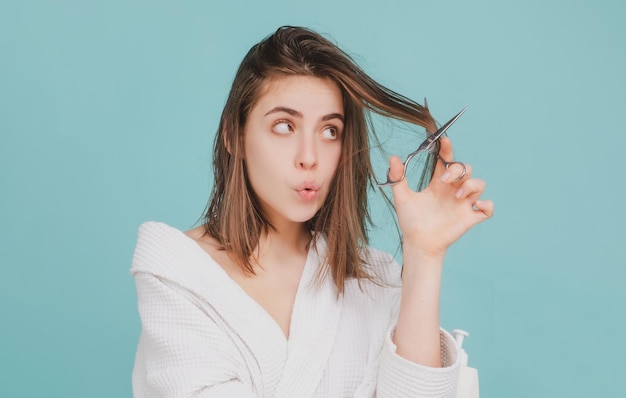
(459,193)
(445,176)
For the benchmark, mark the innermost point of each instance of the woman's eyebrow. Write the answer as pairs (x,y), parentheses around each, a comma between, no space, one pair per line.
(333,116)
(298,114)
(290,111)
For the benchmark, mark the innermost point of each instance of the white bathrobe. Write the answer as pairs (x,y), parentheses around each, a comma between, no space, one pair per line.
(203,336)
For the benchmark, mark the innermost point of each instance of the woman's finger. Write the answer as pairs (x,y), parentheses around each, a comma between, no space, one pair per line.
(445,152)
(445,149)
(396,171)
(471,189)
(447,170)
(483,209)
(457,172)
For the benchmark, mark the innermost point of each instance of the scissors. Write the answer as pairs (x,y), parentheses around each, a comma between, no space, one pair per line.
(429,145)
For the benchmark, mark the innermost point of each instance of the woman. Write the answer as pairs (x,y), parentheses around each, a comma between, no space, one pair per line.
(277,293)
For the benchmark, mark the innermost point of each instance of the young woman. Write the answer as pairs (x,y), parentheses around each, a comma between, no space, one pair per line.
(277,293)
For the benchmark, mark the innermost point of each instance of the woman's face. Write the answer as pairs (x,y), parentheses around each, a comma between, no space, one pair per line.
(292,146)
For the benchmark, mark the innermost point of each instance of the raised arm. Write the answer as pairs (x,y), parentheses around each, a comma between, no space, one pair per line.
(430,222)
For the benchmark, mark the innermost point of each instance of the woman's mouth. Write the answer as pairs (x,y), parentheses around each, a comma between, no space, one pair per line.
(307,191)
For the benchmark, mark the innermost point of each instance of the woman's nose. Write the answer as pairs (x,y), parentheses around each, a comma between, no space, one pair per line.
(306,157)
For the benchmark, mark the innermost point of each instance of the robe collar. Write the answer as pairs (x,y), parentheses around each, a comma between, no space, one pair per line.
(281,367)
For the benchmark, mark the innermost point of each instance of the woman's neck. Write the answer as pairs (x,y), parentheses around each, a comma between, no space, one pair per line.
(284,241)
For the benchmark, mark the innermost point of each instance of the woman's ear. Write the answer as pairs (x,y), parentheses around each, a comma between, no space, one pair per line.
(226,144)
(232,147)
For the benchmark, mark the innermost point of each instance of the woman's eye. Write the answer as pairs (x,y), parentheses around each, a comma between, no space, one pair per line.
(330,133)
(282,128)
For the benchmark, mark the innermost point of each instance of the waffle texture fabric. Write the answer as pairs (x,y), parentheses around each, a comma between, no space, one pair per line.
(203,336)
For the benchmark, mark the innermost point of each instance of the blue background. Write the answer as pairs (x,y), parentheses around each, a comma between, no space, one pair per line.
(107,115)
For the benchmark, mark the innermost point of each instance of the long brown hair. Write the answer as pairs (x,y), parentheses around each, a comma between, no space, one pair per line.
(234,216)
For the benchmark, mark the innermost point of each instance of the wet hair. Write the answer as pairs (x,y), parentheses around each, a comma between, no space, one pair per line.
(234,216)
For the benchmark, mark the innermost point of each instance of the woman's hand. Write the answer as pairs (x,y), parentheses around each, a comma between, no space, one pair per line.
(435,218)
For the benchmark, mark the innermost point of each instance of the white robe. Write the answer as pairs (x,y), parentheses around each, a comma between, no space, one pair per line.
(203,336)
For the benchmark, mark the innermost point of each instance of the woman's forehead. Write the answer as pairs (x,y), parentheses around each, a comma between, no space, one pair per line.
(306,94)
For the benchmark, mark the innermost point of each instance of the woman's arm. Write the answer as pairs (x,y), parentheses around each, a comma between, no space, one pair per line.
(400,377)
(417,330)
(430,222)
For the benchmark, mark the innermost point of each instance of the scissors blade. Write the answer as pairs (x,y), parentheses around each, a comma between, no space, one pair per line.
(431,139)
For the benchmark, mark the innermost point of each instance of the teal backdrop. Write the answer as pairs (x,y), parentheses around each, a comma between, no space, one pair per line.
(108,111)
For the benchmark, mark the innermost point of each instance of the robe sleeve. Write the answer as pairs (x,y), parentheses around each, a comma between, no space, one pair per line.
(399,377)
(181,351)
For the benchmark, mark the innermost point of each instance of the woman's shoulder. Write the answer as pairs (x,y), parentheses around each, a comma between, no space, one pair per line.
(163,247)
(198,234)
(157,236)
(383,274)
(383,265)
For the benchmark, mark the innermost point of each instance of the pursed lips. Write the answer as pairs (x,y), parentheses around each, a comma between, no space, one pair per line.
(308,186)
(307,190)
